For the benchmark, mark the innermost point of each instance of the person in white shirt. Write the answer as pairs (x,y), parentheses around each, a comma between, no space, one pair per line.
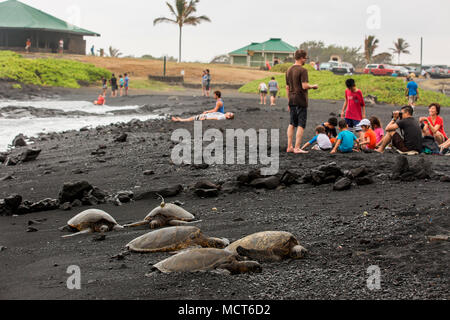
(206,116)
(323,141)
(263,92)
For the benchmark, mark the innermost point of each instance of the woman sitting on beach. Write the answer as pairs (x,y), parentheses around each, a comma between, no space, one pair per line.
(434,124)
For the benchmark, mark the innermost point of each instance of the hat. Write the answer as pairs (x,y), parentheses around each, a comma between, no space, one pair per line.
(364,122)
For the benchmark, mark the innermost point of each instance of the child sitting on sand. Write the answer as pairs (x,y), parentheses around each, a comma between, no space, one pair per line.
(369,138)
(377,128)
(100,101)
(323,141)
(330,129)
(207,116)
(345,140)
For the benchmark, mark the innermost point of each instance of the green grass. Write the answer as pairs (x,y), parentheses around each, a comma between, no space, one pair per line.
(152,85)
(49,72)
(332,87)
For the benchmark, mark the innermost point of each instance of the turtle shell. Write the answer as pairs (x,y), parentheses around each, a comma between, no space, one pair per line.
(165,240)
(86,219)
(194,260)
(172,212)
(270,241)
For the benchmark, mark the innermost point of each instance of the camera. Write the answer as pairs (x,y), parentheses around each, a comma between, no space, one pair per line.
(397,115)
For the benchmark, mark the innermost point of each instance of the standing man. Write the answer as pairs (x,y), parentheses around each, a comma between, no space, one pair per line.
(127,83)
(92,50)
(61,46)
(412,92)
(297,87)
(28,46)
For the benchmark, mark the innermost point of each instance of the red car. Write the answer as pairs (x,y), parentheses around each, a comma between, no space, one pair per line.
(379,70)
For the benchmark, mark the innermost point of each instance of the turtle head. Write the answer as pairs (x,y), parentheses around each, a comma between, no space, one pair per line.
(103,228)
(217,243)
(249,267)
(298,252)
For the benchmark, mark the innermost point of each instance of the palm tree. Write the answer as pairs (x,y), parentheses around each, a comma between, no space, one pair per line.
(184,15)
(401,46)
(370,45)
(114,53)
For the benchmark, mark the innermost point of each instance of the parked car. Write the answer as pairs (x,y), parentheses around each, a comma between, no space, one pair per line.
(343,68)
(325,66)
(438,72)
(401,71)
(415,70)
(379,70)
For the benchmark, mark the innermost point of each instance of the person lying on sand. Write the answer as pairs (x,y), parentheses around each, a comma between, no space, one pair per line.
(206,116)
(100,101)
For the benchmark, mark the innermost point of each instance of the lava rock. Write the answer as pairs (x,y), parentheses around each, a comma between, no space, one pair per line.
(288,178)
(359,172)
(400,167)
(206,184)
(207,193)
(19,141)
(149,173)
(45,205)
(13,201)
(247,178)
(364,181)
(331,170)
(230,187)
(99,194)
(268,183)
(31,229)
(125,196)
(77,203)
(66,206)
(168,192)
(445,179)
(422,169)
(29,155)
(122,138)
(342,184)
(74,191)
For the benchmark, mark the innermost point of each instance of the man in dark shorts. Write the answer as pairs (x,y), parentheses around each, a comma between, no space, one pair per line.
(410,142)
(297,87)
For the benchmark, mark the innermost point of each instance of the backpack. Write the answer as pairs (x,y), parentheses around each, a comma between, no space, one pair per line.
(429,145)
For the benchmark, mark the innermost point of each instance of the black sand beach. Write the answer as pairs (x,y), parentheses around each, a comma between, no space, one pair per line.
(387,223)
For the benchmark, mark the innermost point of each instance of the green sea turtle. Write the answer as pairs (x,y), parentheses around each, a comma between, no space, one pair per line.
(164,215)
(207,259)
(89,221)
(174,239)
(268,246)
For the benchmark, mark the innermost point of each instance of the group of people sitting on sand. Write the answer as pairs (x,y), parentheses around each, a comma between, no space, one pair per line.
(120,86)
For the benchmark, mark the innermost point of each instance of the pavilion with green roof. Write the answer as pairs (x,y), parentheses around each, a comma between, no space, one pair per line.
(256,54)
(19,22)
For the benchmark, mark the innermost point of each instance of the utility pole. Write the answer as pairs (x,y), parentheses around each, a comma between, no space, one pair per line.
(421,54)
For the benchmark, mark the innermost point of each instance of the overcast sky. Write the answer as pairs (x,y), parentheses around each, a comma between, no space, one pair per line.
(128,25)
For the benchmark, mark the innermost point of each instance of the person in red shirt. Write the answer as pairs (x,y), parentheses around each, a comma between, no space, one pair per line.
(100,101)
(369,139)
(354,109)
(434,124)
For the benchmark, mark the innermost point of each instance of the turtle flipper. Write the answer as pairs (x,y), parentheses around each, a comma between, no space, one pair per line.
(136,224)
(258,255)
(78,233)
(178,223)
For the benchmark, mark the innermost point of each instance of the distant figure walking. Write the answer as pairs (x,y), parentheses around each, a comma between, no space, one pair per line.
(273,90)
(114,86)
(412,92)
(121,84)
(204,81)
(61,46)
(297,87)
(126,83)
(104,86)
(208,83)
(93,51)
(263,92)
(28,46)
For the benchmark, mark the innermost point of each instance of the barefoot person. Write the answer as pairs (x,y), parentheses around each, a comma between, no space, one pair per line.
(346,140)
(263,92)
(273,90)
(412,92)
(297,87)
(411,142)
(220,107)
(434,124)
(114,86)
(126,84)
(354,109)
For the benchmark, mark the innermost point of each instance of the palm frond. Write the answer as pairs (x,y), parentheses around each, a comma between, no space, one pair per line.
(163,20)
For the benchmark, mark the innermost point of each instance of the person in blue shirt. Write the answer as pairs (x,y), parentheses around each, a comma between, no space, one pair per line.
(345,140)
(220,107)
(126,84)
(412,92)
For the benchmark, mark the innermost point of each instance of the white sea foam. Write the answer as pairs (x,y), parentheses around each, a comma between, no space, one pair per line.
(31,126)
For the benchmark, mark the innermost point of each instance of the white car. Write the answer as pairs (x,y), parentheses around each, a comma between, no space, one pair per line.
(401,71)
(343,68)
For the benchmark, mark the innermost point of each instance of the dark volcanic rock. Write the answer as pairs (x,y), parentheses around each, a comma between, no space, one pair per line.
(359,172)
(74,191)
(401,166)
(125,196)
(206,184)
(99,194)
(422,169)
(342,184)
(9,206)
(66,206)
(122,138)
(165,192)
(364,181)
(207,193)
(331,170)
(149,173)
(289,178)
(45,205)
(268,183)
(230,187)
(445,179)
(29,155)
(19,141)
(246,178)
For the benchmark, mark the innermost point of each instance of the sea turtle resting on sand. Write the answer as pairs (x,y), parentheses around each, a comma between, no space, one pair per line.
(164,215)
(89,221)
(174,239)
(268,246)
(207,259)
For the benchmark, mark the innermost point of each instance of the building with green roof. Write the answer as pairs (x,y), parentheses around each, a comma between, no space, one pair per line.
(19,22)
(256,54)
